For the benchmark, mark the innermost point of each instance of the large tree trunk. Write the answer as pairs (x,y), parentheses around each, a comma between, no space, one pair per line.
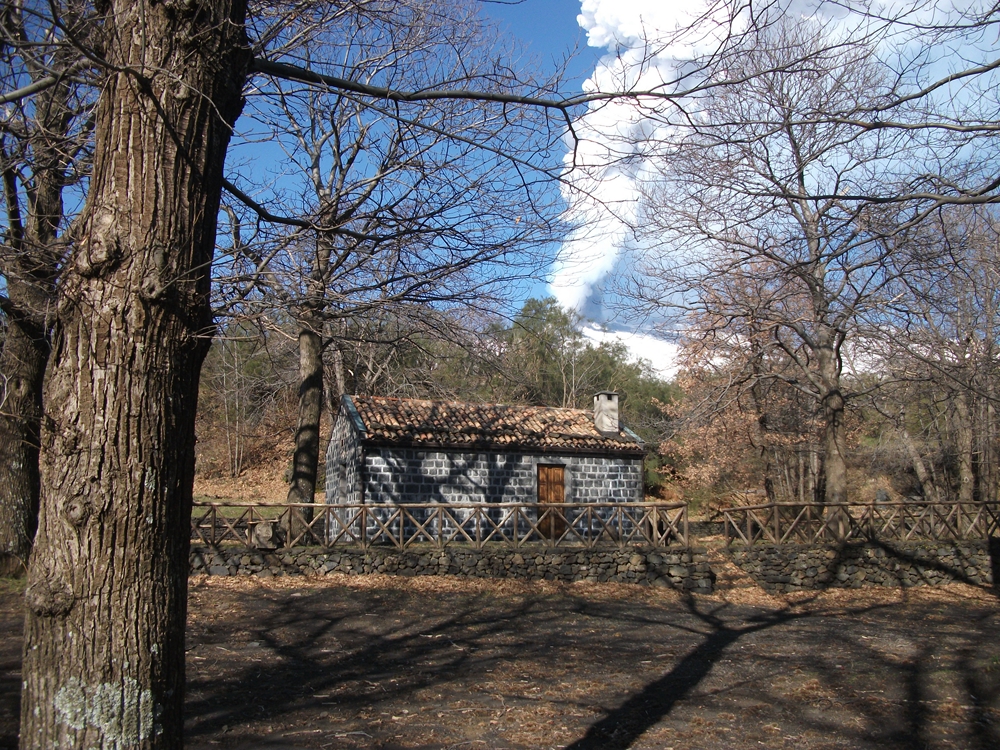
(339,386)
(835,465)
(927,483)
(305,463)
(834,441)
(104,632)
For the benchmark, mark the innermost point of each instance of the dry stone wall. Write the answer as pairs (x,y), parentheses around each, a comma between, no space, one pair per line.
(686,569)
(795,568)
(776,568)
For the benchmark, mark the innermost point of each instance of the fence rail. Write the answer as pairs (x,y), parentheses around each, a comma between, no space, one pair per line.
(794,523)
(471,524)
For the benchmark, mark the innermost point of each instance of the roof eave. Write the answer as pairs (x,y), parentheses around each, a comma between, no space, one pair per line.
(631,452)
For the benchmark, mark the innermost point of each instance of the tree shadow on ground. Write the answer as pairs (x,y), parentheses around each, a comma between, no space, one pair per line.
(906,725)
(329,664)
(625,724)
(322,653)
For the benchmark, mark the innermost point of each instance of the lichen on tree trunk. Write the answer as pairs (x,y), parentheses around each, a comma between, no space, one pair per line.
(107,585)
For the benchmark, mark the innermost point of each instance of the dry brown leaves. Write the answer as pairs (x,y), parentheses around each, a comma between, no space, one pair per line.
(733,587)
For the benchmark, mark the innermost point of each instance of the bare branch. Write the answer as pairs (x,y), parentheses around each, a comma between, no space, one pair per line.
(304,75)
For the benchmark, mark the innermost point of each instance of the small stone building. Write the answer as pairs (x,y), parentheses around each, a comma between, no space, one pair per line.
(392,450)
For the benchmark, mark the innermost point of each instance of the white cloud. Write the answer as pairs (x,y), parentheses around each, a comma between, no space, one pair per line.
(614,146)
(662,355)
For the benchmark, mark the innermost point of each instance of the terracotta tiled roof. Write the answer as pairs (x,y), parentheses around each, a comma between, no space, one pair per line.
(415,422)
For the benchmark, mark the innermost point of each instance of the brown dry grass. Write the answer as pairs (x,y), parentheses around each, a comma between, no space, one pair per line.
(263,484)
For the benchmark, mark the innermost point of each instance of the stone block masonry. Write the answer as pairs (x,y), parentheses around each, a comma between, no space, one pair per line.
(401,475)
(684,569)
(795,568)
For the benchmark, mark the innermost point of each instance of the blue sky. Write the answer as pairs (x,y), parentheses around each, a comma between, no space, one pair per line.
(551,31)
(551,35)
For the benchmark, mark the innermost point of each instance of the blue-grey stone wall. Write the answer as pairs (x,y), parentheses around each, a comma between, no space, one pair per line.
(409,475)
(686,569)
(357,474)
(404,476)
(343,462)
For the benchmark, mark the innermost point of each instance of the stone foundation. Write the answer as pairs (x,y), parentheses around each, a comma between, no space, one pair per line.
(686,569)
(795,568)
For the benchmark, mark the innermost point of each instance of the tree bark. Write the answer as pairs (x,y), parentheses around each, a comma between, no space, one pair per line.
(927,484)
(29,262)
(305,463)
(834,463)
(965,445)
(339,385)
(832,406)
(106,598)
(22,364)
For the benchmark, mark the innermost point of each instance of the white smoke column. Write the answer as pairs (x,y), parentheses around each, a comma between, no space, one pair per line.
(616,142)
(608,161)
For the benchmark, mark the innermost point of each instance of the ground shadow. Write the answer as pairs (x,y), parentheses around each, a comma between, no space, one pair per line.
(622,726)
(370,662)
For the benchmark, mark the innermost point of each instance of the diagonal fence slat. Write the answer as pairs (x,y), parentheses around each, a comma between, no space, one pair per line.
(476,525)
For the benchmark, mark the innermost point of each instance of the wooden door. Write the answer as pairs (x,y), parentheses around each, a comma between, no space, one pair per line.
(551,491)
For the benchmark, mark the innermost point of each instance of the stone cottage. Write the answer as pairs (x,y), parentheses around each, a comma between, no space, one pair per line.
(392,450)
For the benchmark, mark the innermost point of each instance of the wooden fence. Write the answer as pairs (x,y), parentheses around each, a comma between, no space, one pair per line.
(474,524)
(794,523)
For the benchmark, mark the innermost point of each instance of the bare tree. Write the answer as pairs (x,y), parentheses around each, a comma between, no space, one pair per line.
(103,665)
(247,379)
(942,70)
(278,31)
(789,190)
(935,345)
(741,431)
(104,633)
(44,143)
(400,214)
(751,237)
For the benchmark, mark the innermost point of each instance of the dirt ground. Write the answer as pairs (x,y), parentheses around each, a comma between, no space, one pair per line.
(421,663)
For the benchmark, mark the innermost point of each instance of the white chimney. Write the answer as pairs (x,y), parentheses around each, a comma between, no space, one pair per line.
(606,412)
